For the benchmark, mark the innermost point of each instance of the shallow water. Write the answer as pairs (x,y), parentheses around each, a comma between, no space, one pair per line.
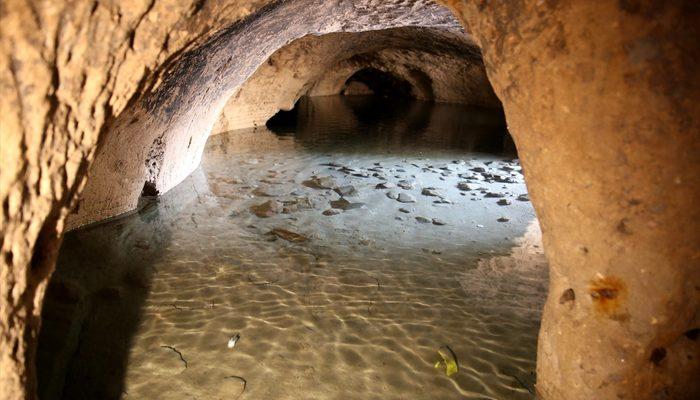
(351,306)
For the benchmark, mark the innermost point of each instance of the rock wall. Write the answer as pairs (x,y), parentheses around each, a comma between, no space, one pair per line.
(440,64)
(602,100)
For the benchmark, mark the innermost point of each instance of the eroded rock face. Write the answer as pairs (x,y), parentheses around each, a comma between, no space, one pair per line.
(602,102)
(440,64)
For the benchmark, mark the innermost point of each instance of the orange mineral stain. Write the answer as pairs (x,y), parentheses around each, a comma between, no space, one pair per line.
(608,294)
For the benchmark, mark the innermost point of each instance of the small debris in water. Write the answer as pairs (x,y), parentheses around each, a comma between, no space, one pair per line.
(233,340)
(503,219)
(449,360)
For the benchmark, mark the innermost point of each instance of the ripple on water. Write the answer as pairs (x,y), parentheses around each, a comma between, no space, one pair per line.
(357,311)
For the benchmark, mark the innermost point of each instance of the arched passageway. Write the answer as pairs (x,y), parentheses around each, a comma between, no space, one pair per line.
(601,100)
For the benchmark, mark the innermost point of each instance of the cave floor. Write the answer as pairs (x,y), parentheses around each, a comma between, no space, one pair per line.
(350,304)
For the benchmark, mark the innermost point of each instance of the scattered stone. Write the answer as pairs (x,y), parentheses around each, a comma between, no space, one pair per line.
(405,210)
(503,219)
(385,185)
(392,195)
(361,174)
(331,211)
(437,221)
(405,198)
(343,204)
(478,169)
(321,182)
(523,197)
(465,186)
(340,203)
(494,195)
(406,185)
(503,202)
(266,209)
(430,191)
(347,190)
(442,201)
(288,235)
(422,220)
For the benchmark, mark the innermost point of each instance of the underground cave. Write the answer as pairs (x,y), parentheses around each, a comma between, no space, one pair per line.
(374,200)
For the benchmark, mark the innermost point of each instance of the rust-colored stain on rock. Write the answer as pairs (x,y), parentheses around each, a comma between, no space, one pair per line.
(608,294)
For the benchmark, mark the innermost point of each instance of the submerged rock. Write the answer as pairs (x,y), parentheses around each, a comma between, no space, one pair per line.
(343,204)
(385,185)
(422,220)
(347,190)
(405,198)
(288,235)
(503,219)
(406,185)
(494,195)
(431,191)
(503,202)
(266,209)
(437,221)
(321,182)
(465,186)
(523,197)
(331,211)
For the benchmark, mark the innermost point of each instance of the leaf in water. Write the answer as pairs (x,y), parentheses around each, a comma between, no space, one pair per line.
(449,359)
(289,235)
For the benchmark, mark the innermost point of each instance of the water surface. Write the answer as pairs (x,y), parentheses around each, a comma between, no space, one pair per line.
(347,306)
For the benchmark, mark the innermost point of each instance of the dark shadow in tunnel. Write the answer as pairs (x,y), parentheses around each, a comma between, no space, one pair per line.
(396,121)
(95,298)
(285,121)
(380,83)
(91,314)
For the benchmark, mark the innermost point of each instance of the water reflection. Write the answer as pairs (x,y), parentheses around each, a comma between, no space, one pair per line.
(144,306)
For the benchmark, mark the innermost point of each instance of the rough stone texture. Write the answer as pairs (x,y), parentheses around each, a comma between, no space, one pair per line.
(440,64)
(603,99)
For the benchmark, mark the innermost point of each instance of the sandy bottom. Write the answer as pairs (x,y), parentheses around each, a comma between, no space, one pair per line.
(353,305)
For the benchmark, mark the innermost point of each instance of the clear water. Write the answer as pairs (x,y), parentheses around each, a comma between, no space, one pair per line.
(346,306)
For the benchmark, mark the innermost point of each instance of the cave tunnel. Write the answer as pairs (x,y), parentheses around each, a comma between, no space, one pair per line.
(310,199)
